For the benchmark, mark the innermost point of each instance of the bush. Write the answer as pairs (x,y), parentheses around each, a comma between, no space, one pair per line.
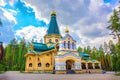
(1,67)
(118,65)
(117,74)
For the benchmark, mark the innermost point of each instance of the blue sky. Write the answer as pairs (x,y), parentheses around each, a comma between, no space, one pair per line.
(86,19)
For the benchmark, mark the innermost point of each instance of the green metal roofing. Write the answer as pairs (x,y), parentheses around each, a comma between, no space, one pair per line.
(83,54)
(40,47)
(53,26)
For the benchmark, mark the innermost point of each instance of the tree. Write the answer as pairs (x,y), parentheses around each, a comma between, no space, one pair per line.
(14,55)
(102,57)
(22,52)
(115,24)
(87,49)
(79,49)
(113,54)
(94,54)
(118,56)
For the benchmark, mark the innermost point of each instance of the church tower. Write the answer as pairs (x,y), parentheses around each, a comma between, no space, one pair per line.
(53,34)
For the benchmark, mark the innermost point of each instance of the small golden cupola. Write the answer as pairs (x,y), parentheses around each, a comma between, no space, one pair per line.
(67,30)
(53,12)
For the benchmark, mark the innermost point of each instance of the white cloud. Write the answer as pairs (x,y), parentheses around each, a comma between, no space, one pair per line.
(31,32)
(2,3)
(9,14)
(86,19)
(95,5)
(38,13)
(11,2)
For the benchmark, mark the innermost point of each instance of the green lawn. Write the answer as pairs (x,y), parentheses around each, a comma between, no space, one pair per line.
(1,72)
(117,74)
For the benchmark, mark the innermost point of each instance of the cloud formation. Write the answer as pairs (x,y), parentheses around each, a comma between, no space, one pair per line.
(31,32)
(6,30)
(86,19)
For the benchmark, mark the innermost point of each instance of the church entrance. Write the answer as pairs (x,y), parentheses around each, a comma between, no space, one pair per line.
(69,66)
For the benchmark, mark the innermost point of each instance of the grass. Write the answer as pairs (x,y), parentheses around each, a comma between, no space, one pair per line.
(1,72)
(117,74)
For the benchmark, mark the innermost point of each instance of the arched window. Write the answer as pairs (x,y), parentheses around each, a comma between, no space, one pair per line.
(68,39)
(50,40)
(72,45)
(30,65)
(47,64)
(68,44)
(47,54)
(39,64)
(38,59)
(64,44)
(56,40)
(29,58)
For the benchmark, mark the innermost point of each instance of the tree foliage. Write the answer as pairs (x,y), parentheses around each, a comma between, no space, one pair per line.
(114,20)
(14,55)
(115,24)
(108,54)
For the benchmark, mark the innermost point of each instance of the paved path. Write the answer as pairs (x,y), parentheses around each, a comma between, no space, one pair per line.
(14,75)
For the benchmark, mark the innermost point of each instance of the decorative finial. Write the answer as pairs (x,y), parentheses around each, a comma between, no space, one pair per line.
(53,13)
(67,30)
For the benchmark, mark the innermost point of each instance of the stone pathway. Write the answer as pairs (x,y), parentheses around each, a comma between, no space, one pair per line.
(14,75)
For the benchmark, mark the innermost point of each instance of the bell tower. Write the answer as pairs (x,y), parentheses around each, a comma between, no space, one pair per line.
(53,33)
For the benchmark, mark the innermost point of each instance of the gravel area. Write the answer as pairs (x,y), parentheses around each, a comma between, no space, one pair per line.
(15,75)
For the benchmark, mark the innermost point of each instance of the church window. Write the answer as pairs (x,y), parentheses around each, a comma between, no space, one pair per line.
(72,45)
(68,39)
(39,64)
(56,40)
(29,58)
(38,59)
(47,54)
(30,65)
(64,44)
(68,44)
(50,40)
(47,64)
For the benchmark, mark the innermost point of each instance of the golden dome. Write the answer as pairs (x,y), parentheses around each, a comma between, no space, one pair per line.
(67,30)
(53,12)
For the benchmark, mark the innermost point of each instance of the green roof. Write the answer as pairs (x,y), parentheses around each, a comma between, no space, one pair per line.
(83,54)
(40,47)
(53,26)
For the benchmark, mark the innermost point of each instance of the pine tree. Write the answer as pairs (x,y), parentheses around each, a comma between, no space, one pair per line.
(22,52)
(113,54)
(115,24)
(14,55)
(79,49)
(118,55)
(94,54)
